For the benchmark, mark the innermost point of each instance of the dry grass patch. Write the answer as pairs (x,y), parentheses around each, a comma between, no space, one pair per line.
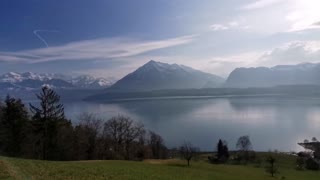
(4,170)
(161,161)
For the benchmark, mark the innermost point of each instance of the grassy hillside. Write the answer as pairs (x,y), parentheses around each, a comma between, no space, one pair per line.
(11,168)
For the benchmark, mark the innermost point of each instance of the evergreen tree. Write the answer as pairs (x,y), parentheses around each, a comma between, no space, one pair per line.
(13,123)
(1,128)
(222,151)
(47,120)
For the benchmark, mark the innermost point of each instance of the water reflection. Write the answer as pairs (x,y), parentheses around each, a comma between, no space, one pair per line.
(272,123)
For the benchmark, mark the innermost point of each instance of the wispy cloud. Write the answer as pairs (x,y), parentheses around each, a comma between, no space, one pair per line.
(282,15)
(239,23)
(98,49)
(218,27)
(294,52)
(304,15)
(223,65)
(260,4)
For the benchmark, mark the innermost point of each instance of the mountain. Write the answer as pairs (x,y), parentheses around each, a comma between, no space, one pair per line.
(14,77)
(300,74)
(90,82)
(30,80)
(156,76)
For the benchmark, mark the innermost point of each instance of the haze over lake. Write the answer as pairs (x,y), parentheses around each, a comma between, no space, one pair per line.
(271,122)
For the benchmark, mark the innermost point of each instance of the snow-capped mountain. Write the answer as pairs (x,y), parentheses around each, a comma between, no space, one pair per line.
(13,77)
(156,75)
(87,81)
(300,74)
(30,80)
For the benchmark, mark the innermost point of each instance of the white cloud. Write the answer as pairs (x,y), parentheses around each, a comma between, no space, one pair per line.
(98,49)
(260,4)
(239,24)
(304,15)
(218,27)
(223,65)
(292,53)
(273,16)
(233,24)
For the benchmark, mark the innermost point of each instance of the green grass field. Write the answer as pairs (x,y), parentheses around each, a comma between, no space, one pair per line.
(11,168)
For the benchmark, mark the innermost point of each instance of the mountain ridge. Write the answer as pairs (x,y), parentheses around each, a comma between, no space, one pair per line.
(31,80)
(299,74)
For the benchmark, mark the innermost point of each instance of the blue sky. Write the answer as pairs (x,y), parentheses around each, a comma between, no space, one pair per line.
(110,38)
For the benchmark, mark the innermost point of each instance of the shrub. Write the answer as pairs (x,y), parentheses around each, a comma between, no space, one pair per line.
(300,163)
(311,164)
(304,154)
(257,163)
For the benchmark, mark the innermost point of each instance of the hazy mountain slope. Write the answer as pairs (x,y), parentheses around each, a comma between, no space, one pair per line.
(302,74)
(156,75)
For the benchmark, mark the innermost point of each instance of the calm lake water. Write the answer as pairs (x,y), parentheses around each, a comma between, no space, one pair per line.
(272,123)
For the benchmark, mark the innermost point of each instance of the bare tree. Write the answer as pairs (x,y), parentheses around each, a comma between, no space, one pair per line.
(244,146)
(122,132)
(244,143)
(188,151)
(87,133)
(157,146)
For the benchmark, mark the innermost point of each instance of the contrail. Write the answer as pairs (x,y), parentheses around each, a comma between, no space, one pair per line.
(35,32)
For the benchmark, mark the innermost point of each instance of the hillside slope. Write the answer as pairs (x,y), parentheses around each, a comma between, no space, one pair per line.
(300,74)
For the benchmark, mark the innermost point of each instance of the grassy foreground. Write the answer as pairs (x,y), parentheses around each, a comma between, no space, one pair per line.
(11,168)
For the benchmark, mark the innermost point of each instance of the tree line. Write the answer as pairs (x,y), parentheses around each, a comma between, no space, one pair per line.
(43,132)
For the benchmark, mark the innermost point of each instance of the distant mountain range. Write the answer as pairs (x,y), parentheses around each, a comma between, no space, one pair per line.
(31,81)
(157,79)
(301,74)
(156,76)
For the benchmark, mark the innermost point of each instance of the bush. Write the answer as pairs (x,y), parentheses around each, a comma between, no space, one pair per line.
(236,159)
(252,156)
(216,160)
(300,163)
(243,157)
(311,164)
(304,154)
(257,163)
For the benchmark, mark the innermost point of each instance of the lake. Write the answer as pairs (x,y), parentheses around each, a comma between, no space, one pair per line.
(271,122)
